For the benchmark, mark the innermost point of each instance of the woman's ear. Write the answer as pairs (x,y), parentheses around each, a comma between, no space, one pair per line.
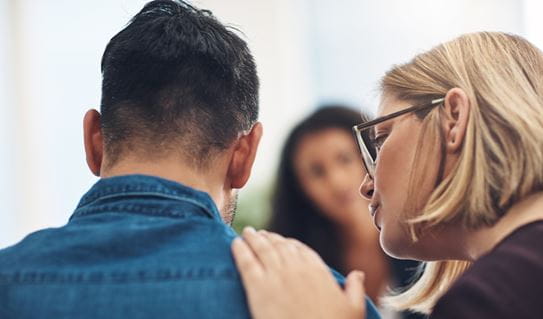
(455,122)
(94,146)
(243,157)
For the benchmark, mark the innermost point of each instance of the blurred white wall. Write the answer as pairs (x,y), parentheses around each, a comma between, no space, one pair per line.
(8,217)
(307,52)
(533,24)
(354,42)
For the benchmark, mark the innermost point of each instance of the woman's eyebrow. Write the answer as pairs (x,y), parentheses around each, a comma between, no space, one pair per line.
(383,125)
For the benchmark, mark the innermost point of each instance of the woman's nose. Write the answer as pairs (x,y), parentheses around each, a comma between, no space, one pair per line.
(366,189)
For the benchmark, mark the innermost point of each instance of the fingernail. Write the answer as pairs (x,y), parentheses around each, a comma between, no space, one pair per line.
(360,275)
(249,229)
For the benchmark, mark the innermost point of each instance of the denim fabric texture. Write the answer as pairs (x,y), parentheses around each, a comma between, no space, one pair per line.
(136,247)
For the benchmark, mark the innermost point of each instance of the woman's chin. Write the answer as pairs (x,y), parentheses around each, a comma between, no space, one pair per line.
(395,245)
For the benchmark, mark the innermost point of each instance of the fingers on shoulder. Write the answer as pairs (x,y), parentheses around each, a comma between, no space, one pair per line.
(263,248)
(248,264)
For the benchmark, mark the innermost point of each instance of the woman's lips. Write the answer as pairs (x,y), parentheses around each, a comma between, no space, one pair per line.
(373,211)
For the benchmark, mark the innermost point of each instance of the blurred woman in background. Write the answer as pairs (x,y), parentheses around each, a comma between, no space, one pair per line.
(316,200)
(316,197)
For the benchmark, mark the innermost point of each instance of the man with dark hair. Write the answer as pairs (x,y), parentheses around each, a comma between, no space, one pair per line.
(176,136)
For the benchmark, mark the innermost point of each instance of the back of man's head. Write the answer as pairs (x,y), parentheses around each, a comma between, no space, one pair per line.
(176,80)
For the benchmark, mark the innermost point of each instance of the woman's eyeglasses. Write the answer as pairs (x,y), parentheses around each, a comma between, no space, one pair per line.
(369,147)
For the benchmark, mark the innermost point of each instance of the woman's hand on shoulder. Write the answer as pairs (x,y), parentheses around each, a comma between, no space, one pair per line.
(284,278)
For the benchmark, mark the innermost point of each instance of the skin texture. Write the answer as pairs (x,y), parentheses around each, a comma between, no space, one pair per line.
(274,290)
(330,169)
(229,171)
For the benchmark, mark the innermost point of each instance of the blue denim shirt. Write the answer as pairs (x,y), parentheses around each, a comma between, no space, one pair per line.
(136,247)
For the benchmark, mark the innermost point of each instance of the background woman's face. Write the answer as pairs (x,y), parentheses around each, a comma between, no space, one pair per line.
(329,168)
(399,138)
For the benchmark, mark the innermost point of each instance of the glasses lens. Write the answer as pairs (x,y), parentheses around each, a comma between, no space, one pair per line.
(369,152)
(368,136)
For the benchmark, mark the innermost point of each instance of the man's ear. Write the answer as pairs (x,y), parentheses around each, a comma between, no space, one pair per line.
(457,108)
(243,157)
(94,146)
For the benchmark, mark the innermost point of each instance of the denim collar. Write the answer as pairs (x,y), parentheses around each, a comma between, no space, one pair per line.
(127,186)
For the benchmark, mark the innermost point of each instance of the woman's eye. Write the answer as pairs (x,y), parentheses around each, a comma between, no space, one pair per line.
(345,158)
(378,141)
(316,171)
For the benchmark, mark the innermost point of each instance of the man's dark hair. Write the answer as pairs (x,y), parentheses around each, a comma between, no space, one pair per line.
(176,79)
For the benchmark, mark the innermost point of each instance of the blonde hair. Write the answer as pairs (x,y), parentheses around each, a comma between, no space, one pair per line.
(501,160)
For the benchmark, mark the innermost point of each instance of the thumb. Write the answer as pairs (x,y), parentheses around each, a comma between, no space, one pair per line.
(354,288)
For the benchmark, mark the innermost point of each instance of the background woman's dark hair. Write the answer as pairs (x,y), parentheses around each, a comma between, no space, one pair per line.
(293,213)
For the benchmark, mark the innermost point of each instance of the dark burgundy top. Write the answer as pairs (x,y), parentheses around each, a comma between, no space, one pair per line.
(505,283)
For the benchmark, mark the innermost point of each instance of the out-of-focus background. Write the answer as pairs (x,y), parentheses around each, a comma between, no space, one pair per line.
(308,52)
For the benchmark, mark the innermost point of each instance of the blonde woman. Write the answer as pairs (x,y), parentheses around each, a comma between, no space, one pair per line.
(455,178)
